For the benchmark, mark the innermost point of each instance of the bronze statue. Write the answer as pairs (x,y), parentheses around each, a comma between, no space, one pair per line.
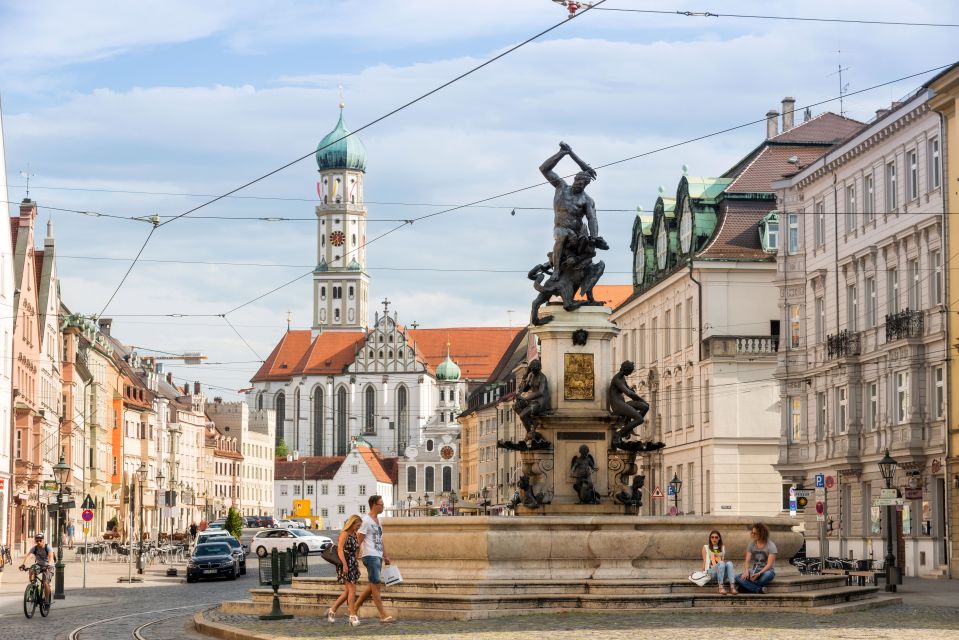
(569,266)
(632,412)
(533,400)
(582,468)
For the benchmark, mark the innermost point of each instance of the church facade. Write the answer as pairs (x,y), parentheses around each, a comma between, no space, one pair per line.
(346,379)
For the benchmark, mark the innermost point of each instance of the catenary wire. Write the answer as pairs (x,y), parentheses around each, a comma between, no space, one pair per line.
(710,14)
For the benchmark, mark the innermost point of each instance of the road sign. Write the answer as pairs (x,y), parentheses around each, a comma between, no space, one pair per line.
(821,494)
(820,480)
(86,530)
(670,490)
(820,508)
(657,493)
(792,507)
(805,493)
(792,492)
(889,502)
(802,502)
(821,518)
(87,515)
(830,481)
(88,503)
(887,493)
(673,510)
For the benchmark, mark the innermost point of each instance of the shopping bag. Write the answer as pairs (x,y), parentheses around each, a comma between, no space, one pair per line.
(391,575)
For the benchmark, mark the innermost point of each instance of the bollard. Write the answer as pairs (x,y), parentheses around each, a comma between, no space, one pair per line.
(275,613)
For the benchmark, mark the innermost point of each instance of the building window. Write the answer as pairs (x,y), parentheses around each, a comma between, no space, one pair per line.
(914,302)
(667,333)
(296,489)
(795,431)
(851,208)
(355,468)
(872,413)
(913,174)
(362,508)
(411,479)
(820,228)
(325,513)
(678,319)
(309,490)
(869,190)
(939,398)
(795,326)
(341,509)
(793,221)
(892,278)
(690,321)
(341,489)
(891,202)
(872,303)
(654,341)
(370,409)
(429,473)
(362,490)
(852,308)
(772,236)
(820,319)
(447,479)
(324,489)
(936,277)
(317,406)
(706,399)
(935,164)
(902,396)
(283,489)
(667,407)
(280,406)
(822,413)
(842,410)
(690,418)
(337,293)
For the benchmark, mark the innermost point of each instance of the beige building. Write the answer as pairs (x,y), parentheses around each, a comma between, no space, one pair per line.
(863,364)
(255,438)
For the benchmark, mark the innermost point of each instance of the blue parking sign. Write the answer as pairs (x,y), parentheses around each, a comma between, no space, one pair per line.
(670,490)
(820,481)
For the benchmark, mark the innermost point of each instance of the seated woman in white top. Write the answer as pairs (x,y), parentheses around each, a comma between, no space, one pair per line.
(716,565)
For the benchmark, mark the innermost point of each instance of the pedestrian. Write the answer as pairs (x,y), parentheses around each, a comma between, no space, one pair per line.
(760,558)
(373,553)
(70,531)
(716,565)
(192,532)
(348,571)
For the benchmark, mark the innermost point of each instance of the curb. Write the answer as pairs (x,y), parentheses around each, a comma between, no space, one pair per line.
(226,632)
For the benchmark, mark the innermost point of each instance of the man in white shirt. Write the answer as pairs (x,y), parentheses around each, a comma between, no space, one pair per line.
(373,555)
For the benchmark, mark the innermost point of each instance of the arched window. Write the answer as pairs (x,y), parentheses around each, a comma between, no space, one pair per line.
(280,407)
(369,406)
(447,479)
(342,441)
(259,401)
(429,445)
(429,480)
(402,419)
(318,421)
(411,479)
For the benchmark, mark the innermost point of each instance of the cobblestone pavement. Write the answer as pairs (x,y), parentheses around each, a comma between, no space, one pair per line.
(893,623)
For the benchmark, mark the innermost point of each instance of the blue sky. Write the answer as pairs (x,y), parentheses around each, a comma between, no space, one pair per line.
(166,97)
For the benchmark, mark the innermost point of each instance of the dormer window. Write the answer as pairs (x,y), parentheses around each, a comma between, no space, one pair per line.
(662,244)
(769,232)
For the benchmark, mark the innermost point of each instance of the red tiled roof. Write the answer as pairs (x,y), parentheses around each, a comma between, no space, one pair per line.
(737,233)
(375,464)
(38,268)
(392,468)
(612,294)
(475,350)
(771,164)
(826,127)
(298,353)
(317,467)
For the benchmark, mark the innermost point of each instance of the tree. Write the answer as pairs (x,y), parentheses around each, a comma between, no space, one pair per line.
(281,449)
(234,523)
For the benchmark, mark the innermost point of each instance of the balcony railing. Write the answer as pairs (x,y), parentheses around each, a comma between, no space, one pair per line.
(845,343)
(742,345)
(905,324)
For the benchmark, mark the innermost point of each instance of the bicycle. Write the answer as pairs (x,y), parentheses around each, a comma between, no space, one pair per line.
(33,596)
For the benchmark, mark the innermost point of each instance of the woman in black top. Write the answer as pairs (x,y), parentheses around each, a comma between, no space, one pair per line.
(348,571)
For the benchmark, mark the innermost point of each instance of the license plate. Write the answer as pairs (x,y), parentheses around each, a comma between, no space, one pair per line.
(209,571)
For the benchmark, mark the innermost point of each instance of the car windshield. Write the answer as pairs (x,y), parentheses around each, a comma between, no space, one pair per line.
(230,540)
(218,549)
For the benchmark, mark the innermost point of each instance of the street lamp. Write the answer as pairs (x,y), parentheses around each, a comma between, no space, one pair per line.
(453,500)
(409,504)
(142,476)
(60,472)
(887,467)
(160,478)
(676,484)
(485,494)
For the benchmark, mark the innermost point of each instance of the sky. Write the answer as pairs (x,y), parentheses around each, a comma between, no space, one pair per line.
(134,109)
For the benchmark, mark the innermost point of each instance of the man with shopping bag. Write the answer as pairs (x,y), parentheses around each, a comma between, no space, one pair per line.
(373,555)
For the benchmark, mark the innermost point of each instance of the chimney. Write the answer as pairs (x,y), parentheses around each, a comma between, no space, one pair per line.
(28,210)
(196,388)
(789,106)
(105,324)
(772,124)
(881,113)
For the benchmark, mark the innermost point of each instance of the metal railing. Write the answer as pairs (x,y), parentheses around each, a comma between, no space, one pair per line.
(842,344)
(905,324)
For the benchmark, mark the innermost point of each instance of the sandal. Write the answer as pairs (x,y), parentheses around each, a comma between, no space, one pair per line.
(354,621)
(734,590)
(330,616)
(722,591)
(387,620)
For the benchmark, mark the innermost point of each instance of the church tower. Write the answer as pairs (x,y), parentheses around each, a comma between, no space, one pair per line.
(340,282)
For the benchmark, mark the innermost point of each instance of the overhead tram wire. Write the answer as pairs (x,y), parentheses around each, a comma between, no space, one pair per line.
(240,336)
(710,14)
(332,142)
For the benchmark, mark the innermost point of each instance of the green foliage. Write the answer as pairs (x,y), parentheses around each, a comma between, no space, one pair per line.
(281,449)
(112,523)
(234,523)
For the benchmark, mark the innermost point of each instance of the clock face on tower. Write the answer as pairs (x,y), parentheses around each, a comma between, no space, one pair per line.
(337,238)
(662,244)
(446,452)
(686,227)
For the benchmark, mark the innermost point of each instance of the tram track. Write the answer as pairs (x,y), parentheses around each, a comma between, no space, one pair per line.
(80,633)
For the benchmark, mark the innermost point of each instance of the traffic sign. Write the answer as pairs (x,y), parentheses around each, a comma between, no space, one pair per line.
(792,492)
(830,481)
(86,530)
(887,493)
(88,503)
(802,502)
(821,494)
(820,480)
(820,508)
(792,507)
(670,490)
(673,510)
(821,518)
(889,502)
(657,493)
(87,515)
(805,493)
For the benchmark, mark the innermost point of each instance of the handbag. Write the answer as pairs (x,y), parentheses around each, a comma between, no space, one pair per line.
(700,578)
(391,575)
(332,555)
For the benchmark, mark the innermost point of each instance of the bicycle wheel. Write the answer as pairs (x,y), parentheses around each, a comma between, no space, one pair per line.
(29,602)
(44,606)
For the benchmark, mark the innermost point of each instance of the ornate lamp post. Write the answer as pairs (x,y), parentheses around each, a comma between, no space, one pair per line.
(453,500)
(160,478)
(60,472)
(142,477)
(485,494)
(887,467)
(409,504)
(676,484)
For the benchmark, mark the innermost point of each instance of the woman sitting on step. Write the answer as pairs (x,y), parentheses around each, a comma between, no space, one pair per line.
(760,558)
(716,565)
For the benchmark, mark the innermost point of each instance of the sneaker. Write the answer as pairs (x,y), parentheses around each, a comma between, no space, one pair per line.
(763,590)
(330,616)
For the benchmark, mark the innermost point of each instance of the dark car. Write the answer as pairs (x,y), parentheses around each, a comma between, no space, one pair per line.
(212,560)
(267,521)
(238,551)
(251,522)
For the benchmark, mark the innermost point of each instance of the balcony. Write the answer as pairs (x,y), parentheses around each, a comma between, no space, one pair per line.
(732,346)
(905,324)
(842,344)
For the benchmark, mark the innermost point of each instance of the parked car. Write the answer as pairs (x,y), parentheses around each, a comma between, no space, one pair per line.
(284,524)
(267,521)
(217,524)
(238,551)
(212,560)
(282,539)
(211,535)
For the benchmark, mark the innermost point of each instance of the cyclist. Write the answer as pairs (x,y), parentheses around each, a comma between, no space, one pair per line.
(44,556)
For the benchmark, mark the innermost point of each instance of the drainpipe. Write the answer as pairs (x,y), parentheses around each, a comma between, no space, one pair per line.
(699,315)
(950,412)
